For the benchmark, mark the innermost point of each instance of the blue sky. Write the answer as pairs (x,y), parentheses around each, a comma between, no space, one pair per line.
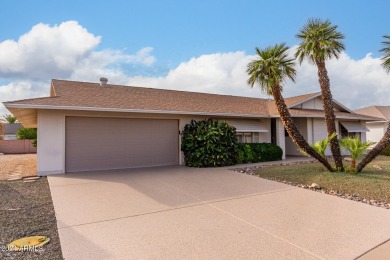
(181,34)
(179,30)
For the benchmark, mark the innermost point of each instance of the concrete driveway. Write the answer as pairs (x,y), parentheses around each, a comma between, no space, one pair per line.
(186,213)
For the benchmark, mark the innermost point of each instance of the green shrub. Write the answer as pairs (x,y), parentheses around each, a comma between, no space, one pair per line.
(209,143)
(386,151)
(26,133)
(259,152)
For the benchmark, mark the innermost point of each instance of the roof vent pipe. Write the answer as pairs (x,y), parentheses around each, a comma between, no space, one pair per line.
(103,82)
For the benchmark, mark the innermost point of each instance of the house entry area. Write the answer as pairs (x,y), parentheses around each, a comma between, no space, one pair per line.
(97,143)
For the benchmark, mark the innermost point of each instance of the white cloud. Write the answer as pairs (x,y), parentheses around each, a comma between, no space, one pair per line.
(21,90)
(220,73)
(46,51)
(355,83)
(68,51)
(65,51)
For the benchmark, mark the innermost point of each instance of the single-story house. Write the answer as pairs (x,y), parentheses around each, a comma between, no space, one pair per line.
(377,128)
(10,129)
(86,126)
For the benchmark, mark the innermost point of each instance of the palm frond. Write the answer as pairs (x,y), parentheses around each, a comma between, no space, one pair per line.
(386,50)
(319,40)
(320,146)
(271,67)
(355,146)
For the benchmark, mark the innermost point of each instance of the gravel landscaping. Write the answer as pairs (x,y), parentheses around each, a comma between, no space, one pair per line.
(26,209)
(18,165)
(372,186)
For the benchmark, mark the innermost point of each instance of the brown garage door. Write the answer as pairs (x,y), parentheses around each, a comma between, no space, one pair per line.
(117,143)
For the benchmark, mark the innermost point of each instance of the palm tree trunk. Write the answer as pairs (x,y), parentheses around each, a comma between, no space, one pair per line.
(330,118)
(292,129)
(353,164)
(1,131)
(379,147)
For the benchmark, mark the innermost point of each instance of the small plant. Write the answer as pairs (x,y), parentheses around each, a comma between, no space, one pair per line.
(320,146)
(356,148)
(10,118)
(209,143)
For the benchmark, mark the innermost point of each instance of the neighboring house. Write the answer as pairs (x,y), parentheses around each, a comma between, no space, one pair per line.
(377,128)
(90,126)
(10,130)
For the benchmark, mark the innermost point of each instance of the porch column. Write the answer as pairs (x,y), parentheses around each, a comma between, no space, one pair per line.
(310,138)
(280,138)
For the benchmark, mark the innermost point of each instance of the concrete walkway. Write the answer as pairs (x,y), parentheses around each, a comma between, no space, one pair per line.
(187,213)
(288,160)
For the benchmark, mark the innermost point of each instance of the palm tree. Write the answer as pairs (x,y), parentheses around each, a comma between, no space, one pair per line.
(356,148)
(271,68)
(10,118)
(321,41)
(385,141)
(386,51)
(320,146)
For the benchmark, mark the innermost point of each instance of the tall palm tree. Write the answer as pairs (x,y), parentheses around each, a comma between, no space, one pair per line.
(385,141)
(271,68)
(321,41)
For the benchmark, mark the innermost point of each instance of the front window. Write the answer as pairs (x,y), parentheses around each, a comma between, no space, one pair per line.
(246,137)
(344,133)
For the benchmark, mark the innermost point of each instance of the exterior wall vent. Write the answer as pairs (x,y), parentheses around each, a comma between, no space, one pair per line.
(103,82)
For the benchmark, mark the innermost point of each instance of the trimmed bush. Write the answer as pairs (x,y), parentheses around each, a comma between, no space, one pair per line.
(259,152)
(209,143)
(386,151)
(26,133)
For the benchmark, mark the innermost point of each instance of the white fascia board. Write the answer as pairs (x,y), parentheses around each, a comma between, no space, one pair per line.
(378,122)
(146,111)
(337,117)
(251,130)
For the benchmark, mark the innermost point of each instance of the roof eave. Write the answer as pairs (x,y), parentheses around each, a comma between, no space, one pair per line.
(337,117)
(102,109)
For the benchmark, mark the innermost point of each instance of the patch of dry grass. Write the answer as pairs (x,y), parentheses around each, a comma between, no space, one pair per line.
(24,164)
(371,184)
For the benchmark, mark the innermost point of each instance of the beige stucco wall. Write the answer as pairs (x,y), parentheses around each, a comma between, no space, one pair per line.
(315,103)
(265,137)
(291,147)
(313,130)
(51,134)
(51,142)
(377,130)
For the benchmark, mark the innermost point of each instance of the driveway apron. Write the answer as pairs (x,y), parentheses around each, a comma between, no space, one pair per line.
(186,213)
